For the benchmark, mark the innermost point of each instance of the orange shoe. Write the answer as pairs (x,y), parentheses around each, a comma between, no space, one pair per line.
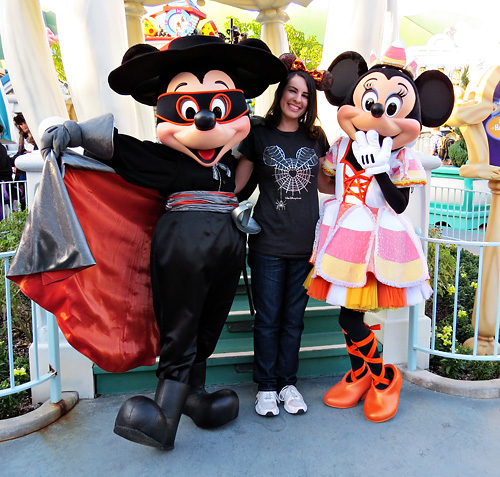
(382,405)
(347,394)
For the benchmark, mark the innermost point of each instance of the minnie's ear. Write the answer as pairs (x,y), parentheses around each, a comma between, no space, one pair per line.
(435,91)
(346,69)
(288,59)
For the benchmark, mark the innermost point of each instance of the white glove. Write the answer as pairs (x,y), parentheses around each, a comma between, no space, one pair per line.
(370,156)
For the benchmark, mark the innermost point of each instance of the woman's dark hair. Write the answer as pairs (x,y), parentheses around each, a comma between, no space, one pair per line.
(308,119)
(19,119)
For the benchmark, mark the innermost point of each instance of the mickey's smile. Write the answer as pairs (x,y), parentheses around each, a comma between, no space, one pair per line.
(206,156)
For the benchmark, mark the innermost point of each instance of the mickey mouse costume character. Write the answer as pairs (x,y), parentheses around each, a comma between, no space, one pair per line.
(199,86)
(367,256)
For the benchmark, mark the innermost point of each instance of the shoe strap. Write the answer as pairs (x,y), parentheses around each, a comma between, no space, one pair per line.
(353,349)
(381,379)
(370,338)
(355,374)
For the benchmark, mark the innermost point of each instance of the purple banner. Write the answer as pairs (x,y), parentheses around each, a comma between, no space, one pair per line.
(492,128)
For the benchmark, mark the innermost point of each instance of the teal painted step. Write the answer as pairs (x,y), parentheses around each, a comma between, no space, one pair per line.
(322,352)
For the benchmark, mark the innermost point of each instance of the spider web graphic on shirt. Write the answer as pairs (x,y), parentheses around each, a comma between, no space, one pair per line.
(292,174)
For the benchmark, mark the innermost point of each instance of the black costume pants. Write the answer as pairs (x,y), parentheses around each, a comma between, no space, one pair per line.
(196,261)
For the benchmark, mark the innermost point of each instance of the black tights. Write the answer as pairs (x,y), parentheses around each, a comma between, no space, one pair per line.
(352,322)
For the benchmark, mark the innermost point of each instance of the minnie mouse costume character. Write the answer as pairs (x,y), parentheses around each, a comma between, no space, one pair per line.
(199,86)
(366,255)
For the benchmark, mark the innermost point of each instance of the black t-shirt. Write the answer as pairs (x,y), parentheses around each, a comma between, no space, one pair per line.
(156,166)
(286,167)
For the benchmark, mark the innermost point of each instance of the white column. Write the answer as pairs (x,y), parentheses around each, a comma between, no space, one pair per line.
(93,39)
(29,61)
(273,34)
(353,25)
(134,11)
(356,25)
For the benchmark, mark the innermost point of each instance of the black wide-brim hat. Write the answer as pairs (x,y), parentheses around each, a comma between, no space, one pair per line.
(145,71)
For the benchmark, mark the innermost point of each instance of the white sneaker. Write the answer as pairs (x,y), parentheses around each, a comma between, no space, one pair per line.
(266,403)
(294,402)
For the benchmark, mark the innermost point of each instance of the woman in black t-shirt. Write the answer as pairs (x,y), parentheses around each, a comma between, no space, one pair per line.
(283,153)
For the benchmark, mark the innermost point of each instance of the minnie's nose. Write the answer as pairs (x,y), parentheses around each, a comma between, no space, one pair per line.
(377,110)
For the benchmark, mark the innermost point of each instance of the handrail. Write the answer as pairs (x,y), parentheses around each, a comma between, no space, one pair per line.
(52,373)
(413,346)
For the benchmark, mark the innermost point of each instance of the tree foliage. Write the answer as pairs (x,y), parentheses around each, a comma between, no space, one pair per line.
(308,49)
(58,64)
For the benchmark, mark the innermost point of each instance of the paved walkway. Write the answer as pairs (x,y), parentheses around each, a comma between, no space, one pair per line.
(433,434)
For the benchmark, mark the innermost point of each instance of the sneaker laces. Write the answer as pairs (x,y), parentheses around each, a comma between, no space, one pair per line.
(267,396)
(289,393)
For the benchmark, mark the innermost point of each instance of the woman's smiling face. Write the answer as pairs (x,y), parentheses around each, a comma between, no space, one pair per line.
(295,98)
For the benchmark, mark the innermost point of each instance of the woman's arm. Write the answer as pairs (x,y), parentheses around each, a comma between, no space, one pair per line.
(243,173)
(326,184)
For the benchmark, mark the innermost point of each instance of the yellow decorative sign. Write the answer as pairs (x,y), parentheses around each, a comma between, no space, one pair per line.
(478,117)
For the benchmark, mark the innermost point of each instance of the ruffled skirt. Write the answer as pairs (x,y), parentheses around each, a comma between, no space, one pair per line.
(367,259)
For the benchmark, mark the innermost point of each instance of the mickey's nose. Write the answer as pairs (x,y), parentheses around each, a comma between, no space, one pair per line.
(377,110)
(204,120)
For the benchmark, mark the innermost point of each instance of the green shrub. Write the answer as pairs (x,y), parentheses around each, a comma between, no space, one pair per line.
(14,404)
(450,367)
(447,263)
(10,405)
(458,151)
(10,234)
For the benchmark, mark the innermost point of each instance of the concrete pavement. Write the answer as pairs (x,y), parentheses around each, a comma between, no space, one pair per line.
(433,434)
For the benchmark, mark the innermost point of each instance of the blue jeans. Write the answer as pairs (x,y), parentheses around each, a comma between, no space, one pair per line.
(280,301)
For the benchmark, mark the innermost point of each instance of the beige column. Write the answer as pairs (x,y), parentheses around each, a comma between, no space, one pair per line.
(488,306)
(29,61)
(93,39)
(469,114)
(274,35)
(134,11)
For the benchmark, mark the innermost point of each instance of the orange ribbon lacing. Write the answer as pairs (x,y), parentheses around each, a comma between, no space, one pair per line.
(357,180)
(368,358)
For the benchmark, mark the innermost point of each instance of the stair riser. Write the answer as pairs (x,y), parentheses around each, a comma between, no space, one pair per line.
(220,373)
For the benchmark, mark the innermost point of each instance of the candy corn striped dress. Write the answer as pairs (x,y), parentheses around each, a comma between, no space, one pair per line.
(367,257)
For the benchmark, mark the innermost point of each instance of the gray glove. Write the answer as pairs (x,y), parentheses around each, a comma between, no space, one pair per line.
(94,135)
(58,138)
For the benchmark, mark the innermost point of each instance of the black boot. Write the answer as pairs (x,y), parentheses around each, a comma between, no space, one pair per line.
(153,423)
(209,410)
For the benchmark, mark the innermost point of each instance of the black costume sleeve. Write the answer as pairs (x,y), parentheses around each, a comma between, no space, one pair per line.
(396,197)
(143,163)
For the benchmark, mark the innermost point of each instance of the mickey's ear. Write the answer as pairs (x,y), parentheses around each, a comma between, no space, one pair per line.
(145,92)
(435,91)
(346,69)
